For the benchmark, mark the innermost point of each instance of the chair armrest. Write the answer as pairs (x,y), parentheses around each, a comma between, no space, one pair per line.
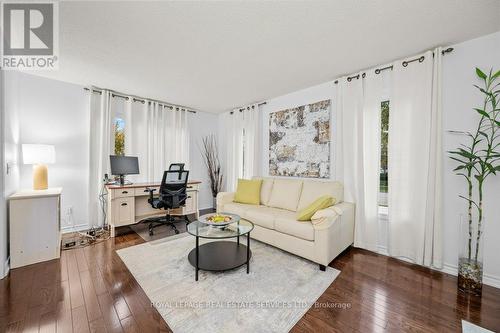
(150,190)
(224,198)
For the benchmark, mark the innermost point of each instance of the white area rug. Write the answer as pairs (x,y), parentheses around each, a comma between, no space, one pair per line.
(272,298)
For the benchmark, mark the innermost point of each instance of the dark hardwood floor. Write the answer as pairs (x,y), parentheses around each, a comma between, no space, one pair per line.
(91,290)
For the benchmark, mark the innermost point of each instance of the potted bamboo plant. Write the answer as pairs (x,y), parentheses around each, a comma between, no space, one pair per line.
(211,158)
(478,160)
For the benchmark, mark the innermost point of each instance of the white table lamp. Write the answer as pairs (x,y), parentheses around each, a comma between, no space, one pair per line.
(39,156)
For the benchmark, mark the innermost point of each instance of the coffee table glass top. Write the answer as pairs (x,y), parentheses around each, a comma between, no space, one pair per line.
(235,229)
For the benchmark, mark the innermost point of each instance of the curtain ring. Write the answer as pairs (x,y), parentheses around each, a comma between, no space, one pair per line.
(364,75)
(421,59)
(377,71)
(405,63)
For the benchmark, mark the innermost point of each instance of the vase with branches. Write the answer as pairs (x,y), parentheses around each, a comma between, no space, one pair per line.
(478,161)
(211,158)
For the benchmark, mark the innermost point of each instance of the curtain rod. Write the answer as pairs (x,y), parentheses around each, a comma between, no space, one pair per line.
(138,99)
(404,63)
(248,107)
(258,104)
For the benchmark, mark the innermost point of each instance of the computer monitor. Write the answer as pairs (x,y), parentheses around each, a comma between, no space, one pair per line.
(124,165)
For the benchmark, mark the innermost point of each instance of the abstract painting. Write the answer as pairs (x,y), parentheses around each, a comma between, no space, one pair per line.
(299,141)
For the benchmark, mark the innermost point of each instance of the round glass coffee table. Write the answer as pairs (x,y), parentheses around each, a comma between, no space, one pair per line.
(220,254)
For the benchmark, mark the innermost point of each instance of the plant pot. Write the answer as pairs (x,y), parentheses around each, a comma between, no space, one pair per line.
(470,259)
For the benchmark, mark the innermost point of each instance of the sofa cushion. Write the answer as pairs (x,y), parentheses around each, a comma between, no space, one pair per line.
(265,190)
(263,216)
(287,224)
(237,208)
(285,194)
(313,189)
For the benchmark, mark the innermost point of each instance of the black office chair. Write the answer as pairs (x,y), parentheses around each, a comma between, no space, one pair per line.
(176,167)
(172,195)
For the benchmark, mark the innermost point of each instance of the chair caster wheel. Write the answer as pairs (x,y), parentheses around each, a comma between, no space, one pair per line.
(150,232)
(176,231)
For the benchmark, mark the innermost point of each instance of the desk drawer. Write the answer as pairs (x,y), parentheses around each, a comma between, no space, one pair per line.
(192,187)
(123,193)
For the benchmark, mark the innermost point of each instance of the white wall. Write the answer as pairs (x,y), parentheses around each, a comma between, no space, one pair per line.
(54,112)
(459,97)
(3,203)
(10,138)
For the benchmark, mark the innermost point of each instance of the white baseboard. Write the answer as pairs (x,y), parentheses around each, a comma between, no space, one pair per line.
(488,279)
(6,268)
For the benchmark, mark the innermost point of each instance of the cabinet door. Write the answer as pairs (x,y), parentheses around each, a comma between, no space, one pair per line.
(124,211)
(34,230)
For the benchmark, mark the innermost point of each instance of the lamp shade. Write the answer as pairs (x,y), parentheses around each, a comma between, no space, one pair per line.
(39,154)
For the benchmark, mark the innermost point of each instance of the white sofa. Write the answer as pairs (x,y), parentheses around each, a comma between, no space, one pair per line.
(329,232)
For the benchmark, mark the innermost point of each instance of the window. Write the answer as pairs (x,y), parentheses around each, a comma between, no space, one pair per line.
(384,140)
(119,136)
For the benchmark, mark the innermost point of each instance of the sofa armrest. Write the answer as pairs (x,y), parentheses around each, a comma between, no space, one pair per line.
(333,231)
(324,218)
(224,198)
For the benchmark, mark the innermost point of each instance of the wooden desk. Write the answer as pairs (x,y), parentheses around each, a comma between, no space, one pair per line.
(128,204)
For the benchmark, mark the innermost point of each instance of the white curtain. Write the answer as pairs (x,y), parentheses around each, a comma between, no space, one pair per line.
(358,149)
(251,142)
(415,161)
(158,137)
(101,146)
(240,144)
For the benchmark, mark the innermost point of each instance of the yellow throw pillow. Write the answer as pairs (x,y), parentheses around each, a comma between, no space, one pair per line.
(248,191)
(322,202)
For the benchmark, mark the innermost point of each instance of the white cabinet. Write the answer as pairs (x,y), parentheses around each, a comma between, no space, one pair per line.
(35,226)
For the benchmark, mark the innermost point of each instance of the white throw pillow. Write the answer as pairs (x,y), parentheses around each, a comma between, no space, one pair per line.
(285,194)
(313,189)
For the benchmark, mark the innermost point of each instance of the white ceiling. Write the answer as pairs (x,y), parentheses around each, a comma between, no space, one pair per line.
(214,56)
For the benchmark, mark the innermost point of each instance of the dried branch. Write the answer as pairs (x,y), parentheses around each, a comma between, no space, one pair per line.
(210,154)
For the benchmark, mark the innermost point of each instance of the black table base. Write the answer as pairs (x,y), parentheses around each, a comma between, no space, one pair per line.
(220,256)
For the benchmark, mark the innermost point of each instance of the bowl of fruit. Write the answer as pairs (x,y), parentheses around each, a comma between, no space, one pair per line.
(218,219)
